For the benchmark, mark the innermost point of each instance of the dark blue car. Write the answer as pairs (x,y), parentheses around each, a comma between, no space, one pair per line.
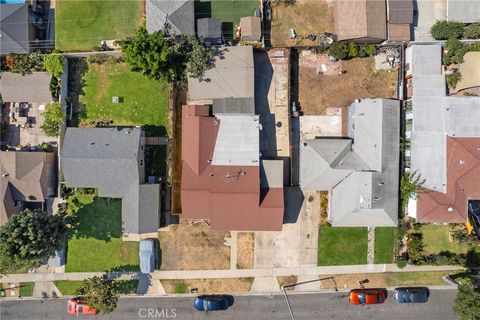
(213,302)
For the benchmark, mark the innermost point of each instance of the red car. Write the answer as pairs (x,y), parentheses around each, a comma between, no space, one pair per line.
(77,306)
(367,296)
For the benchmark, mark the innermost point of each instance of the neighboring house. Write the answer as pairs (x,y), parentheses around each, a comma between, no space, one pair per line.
(400,19)
(232,77)
(174,16)
(251,29)
(466,11)
(224,180)
(209,30)
(445,142)
(361,173)
(27,180)
(361,20)
(112,161)
(16,30)
(32,88)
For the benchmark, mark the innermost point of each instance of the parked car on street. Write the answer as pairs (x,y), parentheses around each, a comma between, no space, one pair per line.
(148,255)
(411,294)
(76,306)
(367,296)
(212,302)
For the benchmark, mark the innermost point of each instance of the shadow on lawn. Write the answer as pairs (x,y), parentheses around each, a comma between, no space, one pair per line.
(100,219)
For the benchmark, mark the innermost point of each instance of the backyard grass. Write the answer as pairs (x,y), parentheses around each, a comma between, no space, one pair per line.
(97,243)
(436,239)
(142,101)
(67,288)
(81,25)
(342,246)
(227,11)
(384,244)
(26,289)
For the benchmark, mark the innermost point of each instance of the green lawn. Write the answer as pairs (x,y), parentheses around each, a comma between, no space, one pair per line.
(26,289)
(97,244)
(67,288)
(227,11)
(436,239)
(142,101)
(384,244)
(81,25)
(341,246)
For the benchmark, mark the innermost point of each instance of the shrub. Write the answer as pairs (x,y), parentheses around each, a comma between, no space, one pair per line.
(415,248)
(54,63)
(472,31)
(443,30)
(98,58)
(25,63)
(401,263)
(453,79)
(352,50)
(454,51)
(339,50)
(367,50)
(53,119)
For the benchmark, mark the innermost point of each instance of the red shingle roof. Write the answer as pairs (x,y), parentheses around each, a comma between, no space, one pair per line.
(463,184)
(228,196)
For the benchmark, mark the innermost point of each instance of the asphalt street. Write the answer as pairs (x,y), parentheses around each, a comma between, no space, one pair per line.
(305,306)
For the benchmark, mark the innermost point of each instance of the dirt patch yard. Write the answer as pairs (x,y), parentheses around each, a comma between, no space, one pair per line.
(360,80)
(305,17)
(245,243)
(288,280)
(193,246)
(232,285)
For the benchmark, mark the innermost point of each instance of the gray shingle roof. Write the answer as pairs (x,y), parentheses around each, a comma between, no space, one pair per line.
(209,28)
(112,160)
(33,87)
(177,14)
(466,11)
(234,105)
(14,29)
(436,115)
(362,176)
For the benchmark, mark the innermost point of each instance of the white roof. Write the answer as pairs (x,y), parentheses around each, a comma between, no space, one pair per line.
(237,141)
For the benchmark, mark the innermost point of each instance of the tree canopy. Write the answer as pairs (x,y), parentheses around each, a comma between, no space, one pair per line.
(54,117)
(467,303)
(54,63)
(99,293)
(170,59)
(443,30)
(30,237)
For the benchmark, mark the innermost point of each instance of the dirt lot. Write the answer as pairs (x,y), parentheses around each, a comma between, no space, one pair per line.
(285,281)
(189,246)
(360,80)
(236,285)
(245,243)
(389,279)
(305,17)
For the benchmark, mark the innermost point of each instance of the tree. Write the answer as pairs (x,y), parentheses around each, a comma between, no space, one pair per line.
(467,302)
(54,117)
(99,293)
(415,248)
(443,30)
(54,63)
(30,237)
(453,79)
(472,31)
(339,50)
(148,53)
(454,51)
(410,183)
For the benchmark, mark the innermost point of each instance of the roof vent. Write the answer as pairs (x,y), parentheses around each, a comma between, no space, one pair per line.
(92,143)
(461,162)
(450,209)
(5,175)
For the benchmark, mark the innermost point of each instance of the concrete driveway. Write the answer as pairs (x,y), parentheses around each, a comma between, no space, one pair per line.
(428,11)
(297,244)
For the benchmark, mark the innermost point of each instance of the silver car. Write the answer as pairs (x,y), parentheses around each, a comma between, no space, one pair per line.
(148,255)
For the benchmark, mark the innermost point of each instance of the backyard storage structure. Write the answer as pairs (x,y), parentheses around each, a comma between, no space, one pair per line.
(176,15)
(251,28)
(209,29)
(361,20)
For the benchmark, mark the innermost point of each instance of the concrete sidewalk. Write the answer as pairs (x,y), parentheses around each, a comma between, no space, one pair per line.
(229,273)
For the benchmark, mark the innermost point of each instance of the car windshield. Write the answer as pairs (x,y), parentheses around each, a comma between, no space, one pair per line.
(80,309)
(379,298)
(361,298)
